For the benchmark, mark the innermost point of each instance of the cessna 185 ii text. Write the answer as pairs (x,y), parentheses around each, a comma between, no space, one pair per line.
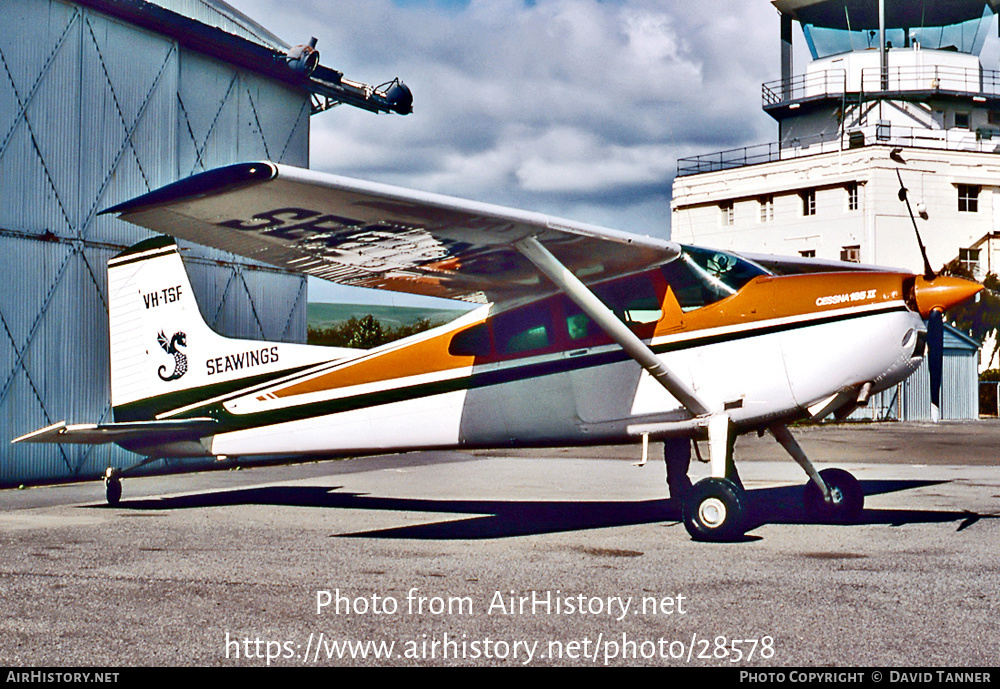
(584,335)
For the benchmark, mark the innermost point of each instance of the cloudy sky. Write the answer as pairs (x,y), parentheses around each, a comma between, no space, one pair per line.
(575,108)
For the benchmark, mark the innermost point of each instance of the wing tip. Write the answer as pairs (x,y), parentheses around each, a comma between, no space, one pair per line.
(207,183)
(42,433)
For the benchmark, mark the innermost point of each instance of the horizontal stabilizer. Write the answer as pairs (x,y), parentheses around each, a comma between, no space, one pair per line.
(99,433)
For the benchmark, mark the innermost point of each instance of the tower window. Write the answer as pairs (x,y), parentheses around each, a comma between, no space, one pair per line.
(852,196)
(728,214)
(809,202)
(766,208)
(851,253)
(969,260)
(968,198)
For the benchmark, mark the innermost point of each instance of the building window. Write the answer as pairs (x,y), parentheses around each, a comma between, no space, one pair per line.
(969,260)
(808,253)
(852,196)
(728,213)
(809,202)
(968,198)
(851,253)
(961,120)
(766,208)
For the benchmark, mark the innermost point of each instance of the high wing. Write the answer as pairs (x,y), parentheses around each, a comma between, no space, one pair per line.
(373,235)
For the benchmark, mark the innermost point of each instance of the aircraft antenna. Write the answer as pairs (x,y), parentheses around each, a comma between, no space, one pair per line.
(928,273)
(935,319)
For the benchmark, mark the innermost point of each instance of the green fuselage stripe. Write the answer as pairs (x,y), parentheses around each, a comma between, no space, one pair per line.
(233,422)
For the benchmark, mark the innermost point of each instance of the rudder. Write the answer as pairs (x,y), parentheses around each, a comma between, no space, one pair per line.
(161,346)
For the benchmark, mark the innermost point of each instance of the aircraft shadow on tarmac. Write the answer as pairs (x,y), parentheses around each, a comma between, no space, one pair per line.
(502,518)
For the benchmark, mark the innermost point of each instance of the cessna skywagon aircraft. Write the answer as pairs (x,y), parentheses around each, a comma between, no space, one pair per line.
(585,335)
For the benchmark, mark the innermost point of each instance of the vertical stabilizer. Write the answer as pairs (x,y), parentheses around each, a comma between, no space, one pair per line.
(163,353)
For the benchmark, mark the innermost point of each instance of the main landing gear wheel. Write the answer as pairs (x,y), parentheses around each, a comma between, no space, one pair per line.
(715,509)
(848,497)
(112,487)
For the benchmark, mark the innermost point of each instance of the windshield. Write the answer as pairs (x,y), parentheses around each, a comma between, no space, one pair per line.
(700,276)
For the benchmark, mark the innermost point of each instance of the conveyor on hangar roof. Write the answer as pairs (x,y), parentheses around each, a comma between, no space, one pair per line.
(222,32)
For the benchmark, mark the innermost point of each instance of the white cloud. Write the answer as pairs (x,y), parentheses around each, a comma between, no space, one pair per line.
(563,106)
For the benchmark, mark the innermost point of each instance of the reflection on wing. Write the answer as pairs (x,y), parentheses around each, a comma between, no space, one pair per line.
(373,235)
(797,265)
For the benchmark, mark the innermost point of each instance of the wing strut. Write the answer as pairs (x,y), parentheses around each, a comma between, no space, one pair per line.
(610,323)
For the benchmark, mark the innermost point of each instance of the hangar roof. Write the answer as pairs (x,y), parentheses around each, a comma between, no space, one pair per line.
(213,28)
(223,16)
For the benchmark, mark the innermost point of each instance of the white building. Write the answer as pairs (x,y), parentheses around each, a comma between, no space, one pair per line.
(895,92)
(922,107)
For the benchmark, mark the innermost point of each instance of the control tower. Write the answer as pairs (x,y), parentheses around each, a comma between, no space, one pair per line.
(893,87)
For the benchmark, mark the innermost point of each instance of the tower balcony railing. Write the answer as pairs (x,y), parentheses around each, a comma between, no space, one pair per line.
(986,140)
(922,79)
(829,82)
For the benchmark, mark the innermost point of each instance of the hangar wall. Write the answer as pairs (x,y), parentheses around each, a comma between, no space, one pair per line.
(94,111)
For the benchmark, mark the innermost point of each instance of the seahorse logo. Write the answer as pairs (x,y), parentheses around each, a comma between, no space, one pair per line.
(170,347)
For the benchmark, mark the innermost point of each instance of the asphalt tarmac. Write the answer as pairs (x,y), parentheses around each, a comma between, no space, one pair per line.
(564,556)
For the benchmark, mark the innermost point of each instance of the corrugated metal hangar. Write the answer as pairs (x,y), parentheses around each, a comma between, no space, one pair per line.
(103,100)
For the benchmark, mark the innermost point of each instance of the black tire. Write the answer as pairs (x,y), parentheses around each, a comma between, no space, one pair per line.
(849,498)
(715,510)
(113,490)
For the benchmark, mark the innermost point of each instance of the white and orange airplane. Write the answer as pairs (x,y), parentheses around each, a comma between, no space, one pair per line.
(584,335)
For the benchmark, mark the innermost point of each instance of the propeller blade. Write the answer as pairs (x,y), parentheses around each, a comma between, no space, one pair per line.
(935,359)
(928,273)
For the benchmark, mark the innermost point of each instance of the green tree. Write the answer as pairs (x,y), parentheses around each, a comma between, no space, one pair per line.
(980,318)
(364,333)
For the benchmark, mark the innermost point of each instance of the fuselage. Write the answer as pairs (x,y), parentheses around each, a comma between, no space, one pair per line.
(759,347)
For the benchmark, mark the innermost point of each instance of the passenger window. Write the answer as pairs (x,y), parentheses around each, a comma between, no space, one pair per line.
(579,326)
(523,330)
(474,341)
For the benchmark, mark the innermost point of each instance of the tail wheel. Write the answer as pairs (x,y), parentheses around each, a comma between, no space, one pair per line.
(715,510)
(848,497)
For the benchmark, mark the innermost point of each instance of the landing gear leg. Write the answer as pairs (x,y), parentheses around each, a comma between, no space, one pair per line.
(715,509)
(677,457)
(112,486)
(832,495)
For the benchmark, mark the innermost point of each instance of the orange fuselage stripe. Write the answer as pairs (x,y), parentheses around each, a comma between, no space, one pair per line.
(763,298)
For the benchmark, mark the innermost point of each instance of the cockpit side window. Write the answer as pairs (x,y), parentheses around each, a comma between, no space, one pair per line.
(700,277)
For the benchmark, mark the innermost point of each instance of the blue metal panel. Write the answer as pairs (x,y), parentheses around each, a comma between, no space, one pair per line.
(127,117)
(40,96)
(94,111)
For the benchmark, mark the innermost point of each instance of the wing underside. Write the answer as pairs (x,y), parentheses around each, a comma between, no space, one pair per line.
(372,235)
